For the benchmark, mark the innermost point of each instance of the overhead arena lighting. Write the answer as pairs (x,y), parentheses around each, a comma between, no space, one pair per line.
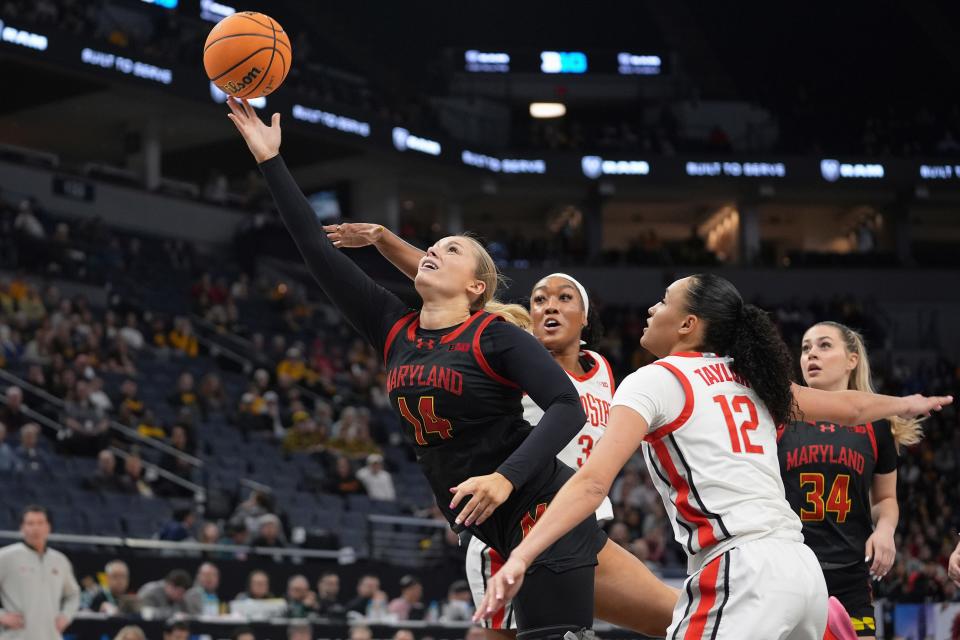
(548,109)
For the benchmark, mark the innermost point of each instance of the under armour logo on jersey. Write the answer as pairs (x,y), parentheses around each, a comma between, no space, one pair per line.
(824,428)
(429,342)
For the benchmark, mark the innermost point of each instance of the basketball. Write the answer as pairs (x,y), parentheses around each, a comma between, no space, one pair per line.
(247,55)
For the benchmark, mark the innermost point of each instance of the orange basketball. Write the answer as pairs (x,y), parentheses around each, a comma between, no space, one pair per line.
(247,55)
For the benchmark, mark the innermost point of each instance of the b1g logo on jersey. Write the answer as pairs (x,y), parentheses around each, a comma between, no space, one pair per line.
(236,87)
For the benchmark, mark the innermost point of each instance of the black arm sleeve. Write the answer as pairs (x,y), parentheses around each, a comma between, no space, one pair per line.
(368,307)
(517,356)
(886,447)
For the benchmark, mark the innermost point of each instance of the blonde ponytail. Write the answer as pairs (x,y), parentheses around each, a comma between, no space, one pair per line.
(906,433)
(512,313)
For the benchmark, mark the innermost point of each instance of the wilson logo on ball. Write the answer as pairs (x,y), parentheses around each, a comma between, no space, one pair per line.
(234,88)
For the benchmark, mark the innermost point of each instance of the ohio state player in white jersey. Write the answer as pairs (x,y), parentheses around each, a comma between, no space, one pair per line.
(707,427)
(709,437)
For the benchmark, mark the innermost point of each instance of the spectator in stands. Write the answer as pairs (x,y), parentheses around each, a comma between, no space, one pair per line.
(185,395)
(409,605)
(130,632)
(294,367)
(361,632)
(305,436)
(176,630)
(458,606)
(111,598)
(301,601)
(243,633)
(118,358)
(179,528)
(87,424)
(129,399)
(202,598)
(377,480)
(133,480)
(249,511)
(209,533)
(269,532)
(12,414)
(130,332)
(261,379)
(166,597)
(404,634)
(176,465)
(98,397)
(258,587)
(105,477)
(159,337)
(27,224)
(36,377)
(272,417)
(353,440)
(344,482)
(43,605)
(182,338)
(368,588)
(33,458)
(251,417)
(213,397)
(150,427)
(299,631)
(328,595)
(10,347)
(9,461)
(235,533)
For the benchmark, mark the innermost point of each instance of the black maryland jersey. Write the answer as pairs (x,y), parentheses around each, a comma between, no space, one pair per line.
(461,417)
(827,472)
(457,390)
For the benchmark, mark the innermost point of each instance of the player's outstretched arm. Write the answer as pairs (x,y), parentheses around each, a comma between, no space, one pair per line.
(370,308)
(401,254)
(523,362)
(858,407)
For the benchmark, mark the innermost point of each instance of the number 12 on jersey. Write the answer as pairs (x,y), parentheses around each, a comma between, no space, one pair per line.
(740,442)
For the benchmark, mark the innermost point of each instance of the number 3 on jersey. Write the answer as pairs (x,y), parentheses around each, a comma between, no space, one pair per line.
(430,422)
(739,405)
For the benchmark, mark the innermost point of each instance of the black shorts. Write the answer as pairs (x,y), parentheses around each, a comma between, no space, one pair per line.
(510,523)
(851,586)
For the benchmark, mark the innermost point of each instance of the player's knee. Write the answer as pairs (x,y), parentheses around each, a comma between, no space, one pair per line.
(559,632)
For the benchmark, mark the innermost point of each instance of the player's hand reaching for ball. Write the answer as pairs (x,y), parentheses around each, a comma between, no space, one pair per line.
(488,492)
(352,235)
(918,405)
(501,588)
(263,140)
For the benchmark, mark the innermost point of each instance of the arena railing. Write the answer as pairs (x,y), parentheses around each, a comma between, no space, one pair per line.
(199,492)
(133,434)
(185,546)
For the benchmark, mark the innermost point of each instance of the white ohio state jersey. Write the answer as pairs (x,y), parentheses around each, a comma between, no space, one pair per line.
(712,454)
(596,389)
